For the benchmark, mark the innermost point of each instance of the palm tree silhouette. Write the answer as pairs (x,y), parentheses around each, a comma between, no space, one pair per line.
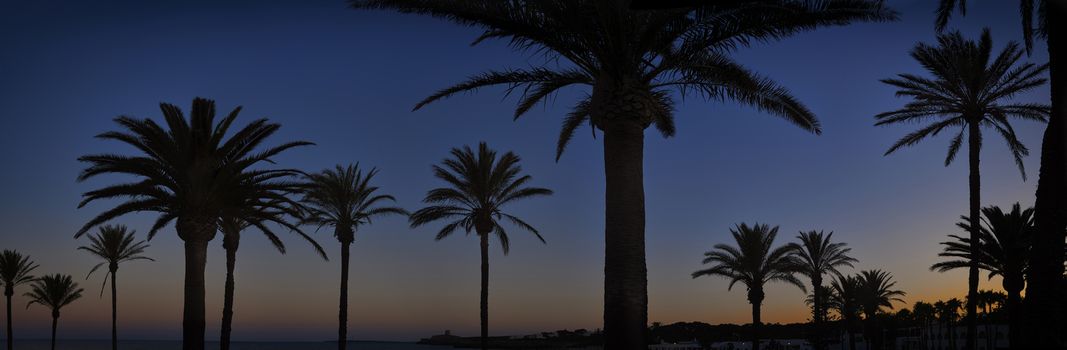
(54,292)
(875,292)
(114,244)
(479,186)
(1044,299)
(970,90)
(989,299)
(15,270)
(844,298)
(343,198)
(754,263)
(949,312)
(186,171)
(260,199)
(634,65)
(1004,243)
(924,314)
(818,256)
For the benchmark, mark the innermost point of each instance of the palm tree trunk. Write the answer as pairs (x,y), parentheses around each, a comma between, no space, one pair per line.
(485,290)
(342,315)
(193,320)
(975,143)
(625,273)
(55,323)
(8,292)
(817,313)
(114,310)
(1043,294)
(230,245)
(851,329)
(755,325)
(1015,319)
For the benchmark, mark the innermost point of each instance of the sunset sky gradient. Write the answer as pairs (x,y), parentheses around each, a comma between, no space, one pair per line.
(347,80)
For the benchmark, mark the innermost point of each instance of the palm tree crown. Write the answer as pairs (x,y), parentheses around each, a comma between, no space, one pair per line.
(968,87)
(114,244)
(54,292)
(819,256)
(1004,244)
(186,171)
(343,198)
(479,186)
(261,199)
(876,291)
(647,56)
(15,269)
(753,262)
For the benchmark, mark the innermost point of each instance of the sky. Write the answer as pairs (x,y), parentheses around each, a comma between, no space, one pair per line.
(347,80)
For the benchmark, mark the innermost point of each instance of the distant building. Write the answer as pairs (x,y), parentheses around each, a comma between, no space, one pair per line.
(937,337)
(765,344)
(687,345)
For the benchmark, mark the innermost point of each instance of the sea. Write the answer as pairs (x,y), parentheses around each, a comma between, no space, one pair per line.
(177,345)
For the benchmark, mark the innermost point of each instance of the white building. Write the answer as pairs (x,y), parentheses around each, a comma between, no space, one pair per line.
(765,344)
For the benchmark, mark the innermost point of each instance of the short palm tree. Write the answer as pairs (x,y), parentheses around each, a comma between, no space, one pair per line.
(1044,298)
(875,292)
(819,256)
(261,200)
(479,186)
(753,262)
(634,65)
(948,312)
(924,314)
(844,298)
(970,89)
(114,244)
(54,292)
(185,171)
(15,270)
(343,198)
(1003,250)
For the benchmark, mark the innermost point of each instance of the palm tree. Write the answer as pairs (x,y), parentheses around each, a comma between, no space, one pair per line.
(1043,296)
(634,65)
(844,298)
(924,314)
(754,263)
(260,200)
(343,198)
(949,312)
(875,292)
(185,171)
(970,90)
(479,185)
(54,292)
(15,270)
(115,245)
(818,256)
(989,299)
(1004,243)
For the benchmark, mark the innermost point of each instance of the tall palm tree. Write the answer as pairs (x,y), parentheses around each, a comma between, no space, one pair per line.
(970,89)
(634,64)
(262,199)
(1004,243)
(875,292)
(15,270)
(754,263)
(479,186)
(54,292)
(844,298)
(343,198)
(114,244)
(184,170)
(1043,295)
(819,256)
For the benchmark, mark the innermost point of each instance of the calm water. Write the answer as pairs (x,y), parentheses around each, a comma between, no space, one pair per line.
(177,345)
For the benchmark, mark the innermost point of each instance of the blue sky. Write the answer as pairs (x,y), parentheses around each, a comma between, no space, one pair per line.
(347,80)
